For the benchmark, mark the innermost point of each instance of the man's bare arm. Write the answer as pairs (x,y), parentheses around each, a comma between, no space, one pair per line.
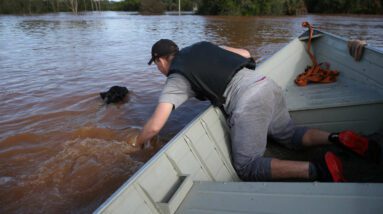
(155,123)
(243,52)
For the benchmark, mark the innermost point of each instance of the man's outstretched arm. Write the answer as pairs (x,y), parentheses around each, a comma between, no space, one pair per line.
(155,123)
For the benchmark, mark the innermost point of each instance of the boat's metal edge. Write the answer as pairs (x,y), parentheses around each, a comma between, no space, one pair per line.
(151,161)
(372,48)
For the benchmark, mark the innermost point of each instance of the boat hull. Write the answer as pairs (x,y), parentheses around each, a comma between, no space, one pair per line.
(201,151)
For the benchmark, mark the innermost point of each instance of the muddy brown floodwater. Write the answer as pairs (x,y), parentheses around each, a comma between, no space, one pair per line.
(61,149)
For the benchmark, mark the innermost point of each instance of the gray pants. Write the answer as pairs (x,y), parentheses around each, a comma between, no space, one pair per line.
(260,112)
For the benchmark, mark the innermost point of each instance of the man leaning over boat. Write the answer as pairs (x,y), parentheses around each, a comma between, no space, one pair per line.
(255,109)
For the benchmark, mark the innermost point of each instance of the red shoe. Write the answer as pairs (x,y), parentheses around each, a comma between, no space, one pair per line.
(335,167)
(329,168)
(355,142)
(361,145)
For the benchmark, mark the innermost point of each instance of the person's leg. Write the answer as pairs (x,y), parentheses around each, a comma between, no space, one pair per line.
(327,168)
(284,169)
(315,137)
(248,142)
(249,128)
(284,131)
(249,123)
(361,145)
(251,166)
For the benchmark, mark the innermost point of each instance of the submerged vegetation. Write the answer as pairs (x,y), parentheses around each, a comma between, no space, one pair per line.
(205,7)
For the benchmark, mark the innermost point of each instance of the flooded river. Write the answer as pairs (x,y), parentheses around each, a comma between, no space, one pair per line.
(61,149)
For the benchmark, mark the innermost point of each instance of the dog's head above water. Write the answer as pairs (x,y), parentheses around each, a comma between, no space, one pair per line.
(115,94)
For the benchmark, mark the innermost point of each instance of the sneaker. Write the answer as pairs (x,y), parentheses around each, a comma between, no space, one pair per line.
(359,144)
(329,168)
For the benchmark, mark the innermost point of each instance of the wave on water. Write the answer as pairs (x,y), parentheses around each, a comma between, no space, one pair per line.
(78,172)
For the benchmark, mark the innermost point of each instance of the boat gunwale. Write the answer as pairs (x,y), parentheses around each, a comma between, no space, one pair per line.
(369,103)
(150,162)
(368,46)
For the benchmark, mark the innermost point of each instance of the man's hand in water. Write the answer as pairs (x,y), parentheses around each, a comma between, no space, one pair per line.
(132,140)
(152,143)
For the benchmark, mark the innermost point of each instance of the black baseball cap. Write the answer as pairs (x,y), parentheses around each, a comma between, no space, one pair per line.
(163,47)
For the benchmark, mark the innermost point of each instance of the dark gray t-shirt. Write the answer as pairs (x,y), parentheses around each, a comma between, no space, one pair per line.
(177,88)
(176,91)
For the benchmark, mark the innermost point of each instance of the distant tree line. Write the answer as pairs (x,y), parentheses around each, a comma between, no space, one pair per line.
(126,5)
(345,6)
(252,7)
(46,6)
(205,7)
(154,6)
(75,6)
(288,7)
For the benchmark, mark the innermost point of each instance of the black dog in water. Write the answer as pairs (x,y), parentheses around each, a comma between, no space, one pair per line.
(114,95)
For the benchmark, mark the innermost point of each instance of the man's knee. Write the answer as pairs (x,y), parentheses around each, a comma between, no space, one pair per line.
(291,139)
(257,169)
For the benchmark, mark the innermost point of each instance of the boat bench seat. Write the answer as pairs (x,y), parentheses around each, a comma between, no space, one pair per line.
(275,197)
(344,92)
(345,104)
